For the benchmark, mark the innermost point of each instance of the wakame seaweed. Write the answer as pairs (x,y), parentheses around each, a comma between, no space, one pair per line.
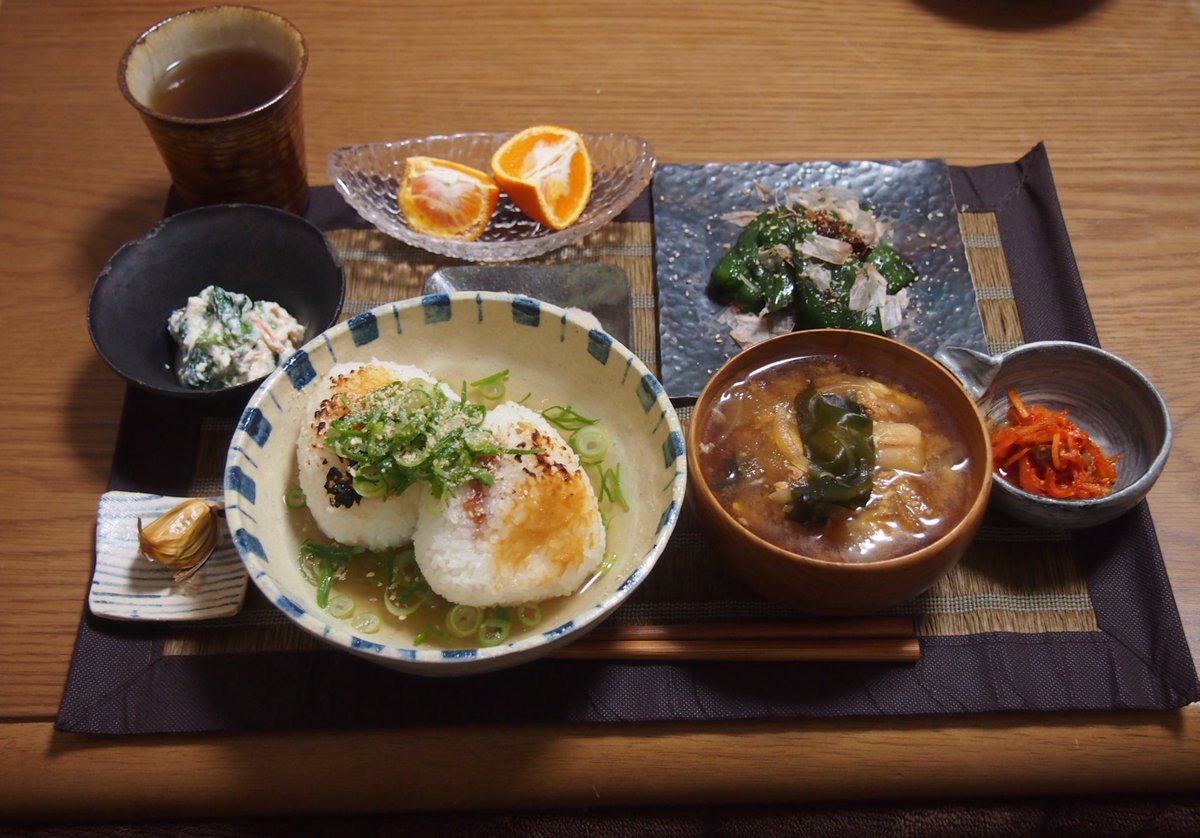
(839,443)
(755,273)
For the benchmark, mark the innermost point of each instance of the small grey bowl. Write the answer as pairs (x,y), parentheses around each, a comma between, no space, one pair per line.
(1103,394)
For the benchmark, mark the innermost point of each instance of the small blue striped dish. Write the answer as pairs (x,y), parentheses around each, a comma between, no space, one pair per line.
(128,586)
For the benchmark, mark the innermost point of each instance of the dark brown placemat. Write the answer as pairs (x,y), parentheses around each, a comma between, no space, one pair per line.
(1031,620)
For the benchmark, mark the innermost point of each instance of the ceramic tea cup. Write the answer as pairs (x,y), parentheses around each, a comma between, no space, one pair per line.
(219,89)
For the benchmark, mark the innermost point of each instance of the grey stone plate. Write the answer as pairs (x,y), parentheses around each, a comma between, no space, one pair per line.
(597,287)
(690,236)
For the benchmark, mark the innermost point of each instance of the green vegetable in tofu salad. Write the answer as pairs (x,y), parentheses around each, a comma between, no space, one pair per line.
(226,338)
(822,258)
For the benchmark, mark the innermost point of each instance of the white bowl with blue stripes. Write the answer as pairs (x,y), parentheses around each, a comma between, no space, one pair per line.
(551,353)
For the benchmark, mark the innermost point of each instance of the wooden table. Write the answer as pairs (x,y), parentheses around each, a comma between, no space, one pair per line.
(1113,88)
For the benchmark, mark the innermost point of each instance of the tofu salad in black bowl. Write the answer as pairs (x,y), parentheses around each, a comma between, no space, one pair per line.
(211,300)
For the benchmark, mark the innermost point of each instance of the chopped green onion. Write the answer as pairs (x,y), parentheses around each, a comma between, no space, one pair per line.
(386,563)
(606,564)
(494,630)
(464,620)
(490,379)
(341,606)
(310,568)
(530,614)
(403,569)
(403,601)
(322,563)
(590,443)
(566,418)
(294,498)
(336,552)
(610,487)
(366,622)
(325,584)
(431,629)
(412,431)
(492,387)
(368,482)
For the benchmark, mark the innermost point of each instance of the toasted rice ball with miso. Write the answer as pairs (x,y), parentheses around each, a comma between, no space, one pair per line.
(533,534)
(337,509)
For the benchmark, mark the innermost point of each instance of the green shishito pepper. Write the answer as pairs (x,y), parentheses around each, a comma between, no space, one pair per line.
(763,273)
(895,270)
(839,442)
(753,273)
(831,309)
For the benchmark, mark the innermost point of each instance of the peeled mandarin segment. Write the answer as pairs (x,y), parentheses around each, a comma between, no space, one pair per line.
(446,199)
(547,172)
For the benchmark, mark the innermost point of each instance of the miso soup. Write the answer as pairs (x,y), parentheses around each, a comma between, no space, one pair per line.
(914,488)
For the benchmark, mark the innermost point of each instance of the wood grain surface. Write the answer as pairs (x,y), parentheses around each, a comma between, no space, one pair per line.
(1112,87)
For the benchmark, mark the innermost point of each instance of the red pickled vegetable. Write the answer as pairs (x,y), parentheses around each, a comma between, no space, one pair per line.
(1044,453)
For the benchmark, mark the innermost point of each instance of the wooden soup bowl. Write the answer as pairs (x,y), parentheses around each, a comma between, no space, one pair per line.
(829,587)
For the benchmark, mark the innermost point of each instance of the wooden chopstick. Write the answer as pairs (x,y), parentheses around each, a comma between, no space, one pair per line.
(859,649)
(781,629)
(873,639)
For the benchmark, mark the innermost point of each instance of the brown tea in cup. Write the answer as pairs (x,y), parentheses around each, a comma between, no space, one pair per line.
(220,83)
(219,90)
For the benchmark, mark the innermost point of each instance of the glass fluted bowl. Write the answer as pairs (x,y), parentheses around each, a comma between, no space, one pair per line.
(368,177)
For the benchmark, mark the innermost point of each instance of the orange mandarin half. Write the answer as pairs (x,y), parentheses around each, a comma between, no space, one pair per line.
(547,172)
(446,199)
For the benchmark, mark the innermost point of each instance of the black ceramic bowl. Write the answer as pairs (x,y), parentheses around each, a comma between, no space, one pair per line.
(265,253)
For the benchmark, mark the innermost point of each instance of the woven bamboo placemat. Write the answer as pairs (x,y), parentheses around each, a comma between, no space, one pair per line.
(989,591)
(1029,620)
